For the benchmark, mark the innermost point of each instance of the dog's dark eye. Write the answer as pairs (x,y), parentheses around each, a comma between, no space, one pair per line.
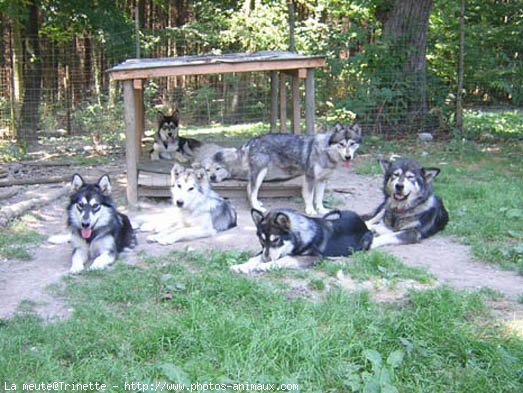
(80,206)
(179,186)
(95,206)
(275,240)
(191,188)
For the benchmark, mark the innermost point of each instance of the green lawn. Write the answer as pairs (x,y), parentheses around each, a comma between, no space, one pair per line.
(187,319)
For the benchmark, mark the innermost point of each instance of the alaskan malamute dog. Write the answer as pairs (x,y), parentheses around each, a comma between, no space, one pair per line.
(98,231)
(168,144)
(285,233)
(315,156)
(197,210)
(410,211)
(231,163)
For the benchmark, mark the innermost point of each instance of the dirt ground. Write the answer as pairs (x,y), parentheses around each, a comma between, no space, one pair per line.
(449,261)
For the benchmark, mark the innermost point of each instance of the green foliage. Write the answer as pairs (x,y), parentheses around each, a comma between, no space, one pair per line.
(489,125)
(218,326)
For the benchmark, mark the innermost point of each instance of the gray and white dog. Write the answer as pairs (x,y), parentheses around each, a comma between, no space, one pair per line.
(410,211)
(315,156)
(197,210)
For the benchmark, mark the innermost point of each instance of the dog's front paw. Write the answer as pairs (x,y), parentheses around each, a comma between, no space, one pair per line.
(250,266)
(102,262)
(311,212)
(244,268)
(147,227)
(161,239)
(76,269)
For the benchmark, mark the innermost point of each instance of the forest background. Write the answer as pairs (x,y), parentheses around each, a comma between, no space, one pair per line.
(392,65)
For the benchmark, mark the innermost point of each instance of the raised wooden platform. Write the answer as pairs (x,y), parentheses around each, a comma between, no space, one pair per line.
(154,181)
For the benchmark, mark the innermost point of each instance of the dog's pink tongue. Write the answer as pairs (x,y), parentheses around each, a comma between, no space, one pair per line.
(86,233)
(170,140)
(347,163)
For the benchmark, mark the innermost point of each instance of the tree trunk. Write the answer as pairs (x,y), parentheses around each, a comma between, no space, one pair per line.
(459,93)
(17,56)
(405,27)
(29,117)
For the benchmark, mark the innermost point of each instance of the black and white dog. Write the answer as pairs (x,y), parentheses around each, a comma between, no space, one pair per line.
(410,211)
(285,234)
(98,231)
(168,143)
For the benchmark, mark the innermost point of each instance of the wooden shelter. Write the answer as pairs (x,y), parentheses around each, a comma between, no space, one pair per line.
(133,72)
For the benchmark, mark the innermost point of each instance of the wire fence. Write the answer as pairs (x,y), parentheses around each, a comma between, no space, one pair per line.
(73,95)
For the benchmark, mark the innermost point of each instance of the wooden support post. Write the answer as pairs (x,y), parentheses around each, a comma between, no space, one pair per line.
(296,119)
(274,99)
(309,101)
(140,118)
(283,103)
(131,159)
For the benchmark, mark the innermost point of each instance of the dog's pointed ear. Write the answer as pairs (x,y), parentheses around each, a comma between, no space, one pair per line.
(200,174)
(356,129)
(176,171)
(385,165)
(257,216)
(283,221)
(430,173)
(104,184)
(160,115)
(76,182)
(332,215)
(175,112)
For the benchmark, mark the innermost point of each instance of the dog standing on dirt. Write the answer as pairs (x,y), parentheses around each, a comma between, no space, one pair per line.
(315,156)
(98,231)
(285,234)
(197,210)
(410,211)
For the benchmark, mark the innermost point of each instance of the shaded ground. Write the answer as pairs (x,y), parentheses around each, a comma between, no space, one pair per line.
(27,282)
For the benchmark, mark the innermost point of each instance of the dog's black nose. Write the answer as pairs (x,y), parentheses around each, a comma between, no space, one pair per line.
(399,187)
(347,158)
(213,177)
(179,203)
(85,225)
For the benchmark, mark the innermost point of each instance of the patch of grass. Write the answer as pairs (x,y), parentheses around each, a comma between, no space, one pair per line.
(17,240)
(376,264)
(488,125)
(221,327)
(480,189)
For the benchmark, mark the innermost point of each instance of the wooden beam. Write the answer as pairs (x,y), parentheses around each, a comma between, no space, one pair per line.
(156,71)
(296,117)
(274,99)
(131,159)
(283,103)
(310,106)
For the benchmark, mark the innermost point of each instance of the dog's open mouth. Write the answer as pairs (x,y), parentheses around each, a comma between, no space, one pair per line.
(400,197)
(86,233)
(347,163)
